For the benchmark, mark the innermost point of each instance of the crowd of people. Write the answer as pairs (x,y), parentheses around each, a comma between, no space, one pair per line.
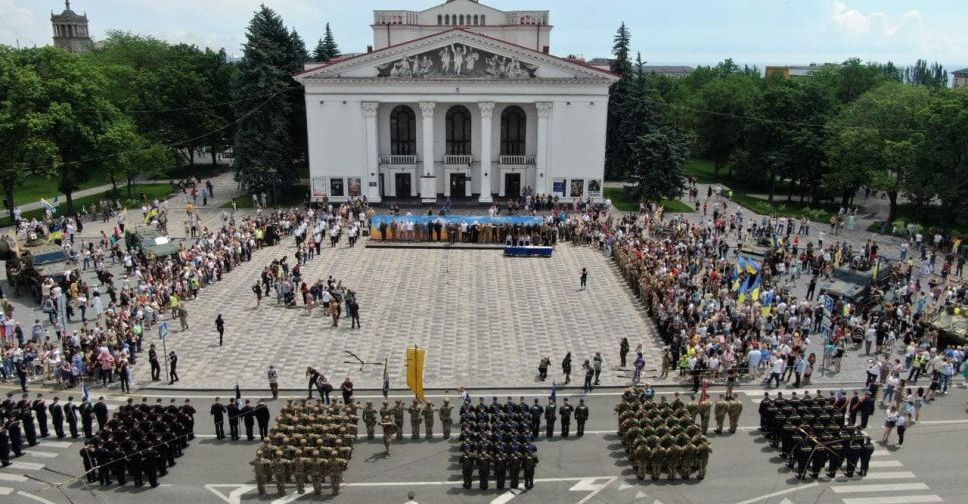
(140,441)
(498,441)
(662,437)
(812,432)
(309,443)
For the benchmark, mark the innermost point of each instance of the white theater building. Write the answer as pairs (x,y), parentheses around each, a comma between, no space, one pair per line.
(458,100)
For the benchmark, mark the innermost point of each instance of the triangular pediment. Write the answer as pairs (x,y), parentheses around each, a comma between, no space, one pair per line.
(456,55)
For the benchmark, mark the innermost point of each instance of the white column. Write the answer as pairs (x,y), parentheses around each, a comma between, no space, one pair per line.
(487,109)
(543,153)
(370,185)
(428,182)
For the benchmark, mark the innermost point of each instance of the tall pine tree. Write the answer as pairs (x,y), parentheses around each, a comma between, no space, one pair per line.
(326,49)
(617,138)
(263,144)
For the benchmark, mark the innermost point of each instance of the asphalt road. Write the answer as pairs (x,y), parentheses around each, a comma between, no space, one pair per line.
(592,469)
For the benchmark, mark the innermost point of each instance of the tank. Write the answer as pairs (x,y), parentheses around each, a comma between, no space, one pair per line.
(149,242)
(31,262)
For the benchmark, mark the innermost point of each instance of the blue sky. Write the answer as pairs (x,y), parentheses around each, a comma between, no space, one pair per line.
(666,32)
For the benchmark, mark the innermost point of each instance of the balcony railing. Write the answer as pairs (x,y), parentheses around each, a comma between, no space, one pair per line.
(395,17)
(398,160)
(527,17)
(517,160)
(458,160)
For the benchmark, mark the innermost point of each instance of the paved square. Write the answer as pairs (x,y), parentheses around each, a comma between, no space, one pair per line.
(485,320)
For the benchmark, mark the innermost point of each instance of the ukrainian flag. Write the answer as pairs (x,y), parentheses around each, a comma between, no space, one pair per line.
(756,289)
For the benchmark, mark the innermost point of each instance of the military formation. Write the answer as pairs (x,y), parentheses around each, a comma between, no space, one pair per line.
(498,441)
(810,433)
(662,438)
(140,441)
(17,423)
(309,443)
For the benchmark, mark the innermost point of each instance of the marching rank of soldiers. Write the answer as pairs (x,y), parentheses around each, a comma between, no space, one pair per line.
(17,423)
(310,442)
(810,433)
(662,437)
(140,441)
(498,441)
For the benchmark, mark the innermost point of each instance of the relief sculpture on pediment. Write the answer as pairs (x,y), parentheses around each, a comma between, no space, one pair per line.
(457,60)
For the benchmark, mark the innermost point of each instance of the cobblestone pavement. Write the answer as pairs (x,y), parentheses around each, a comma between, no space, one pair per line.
(483,318)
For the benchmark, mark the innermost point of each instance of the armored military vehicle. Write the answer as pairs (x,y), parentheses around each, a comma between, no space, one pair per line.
(30,262)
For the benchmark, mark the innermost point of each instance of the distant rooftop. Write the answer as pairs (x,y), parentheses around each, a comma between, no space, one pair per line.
(606,63)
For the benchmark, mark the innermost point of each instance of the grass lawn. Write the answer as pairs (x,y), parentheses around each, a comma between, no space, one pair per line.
(35,187)
(160,191)
(703,169)
(288,197)
(926,218)
(816,213)
(617,195)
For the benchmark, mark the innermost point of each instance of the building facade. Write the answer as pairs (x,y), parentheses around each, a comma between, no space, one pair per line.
(71,30)
(460,100)
(960,78)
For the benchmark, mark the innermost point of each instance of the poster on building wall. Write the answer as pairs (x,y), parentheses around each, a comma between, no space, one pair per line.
(355,185)
(595,189)
(319,187)
(336,187)
(558,187)
(577,188)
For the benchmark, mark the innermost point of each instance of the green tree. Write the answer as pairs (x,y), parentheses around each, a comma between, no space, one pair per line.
(920,74)
(326,49)
(944,160)
(263,145)
(724,104)
(658,160)
(881,133)
(23,141)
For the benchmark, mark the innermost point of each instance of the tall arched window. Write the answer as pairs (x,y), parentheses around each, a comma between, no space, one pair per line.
(403,131)
(458,131)
(440,19)
(475,19)
(461,19)
(446,19)
(514,131)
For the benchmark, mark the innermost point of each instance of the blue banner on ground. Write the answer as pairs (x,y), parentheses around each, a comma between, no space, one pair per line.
(376,220)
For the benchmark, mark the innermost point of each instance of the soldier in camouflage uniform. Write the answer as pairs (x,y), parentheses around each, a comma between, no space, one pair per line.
(704,409)
(734,409)
(416,416)
(428,416)
(335,468)
(263,471)
(389,429)
(398,416)
(280,472)
(720,411)
(369,419)
(445,420)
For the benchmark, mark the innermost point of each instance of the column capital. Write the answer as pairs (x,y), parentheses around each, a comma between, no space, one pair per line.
(544,108)
(487,108)
(427,108)
(369,108)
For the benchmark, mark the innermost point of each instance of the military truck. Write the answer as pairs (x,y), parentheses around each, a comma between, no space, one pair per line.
(150,242)
(854,285)
(31,262)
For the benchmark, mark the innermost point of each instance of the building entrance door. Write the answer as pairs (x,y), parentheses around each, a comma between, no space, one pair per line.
(458,185)
(512,185)
(402,184)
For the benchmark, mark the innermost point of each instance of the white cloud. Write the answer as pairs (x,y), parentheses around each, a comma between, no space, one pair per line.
(877,24)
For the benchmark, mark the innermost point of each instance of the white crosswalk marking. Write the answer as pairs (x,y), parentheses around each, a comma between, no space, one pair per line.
(889,475)
(26,466)
(40,454)
(57,444)
(885,463)
(6,490)
(13,478)
(909,499)
(883,487)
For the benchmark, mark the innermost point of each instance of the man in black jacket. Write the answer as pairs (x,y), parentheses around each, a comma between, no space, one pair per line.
(40,410)
(867,408)
(101,413)
(234,413)
(57,416)
(218,412)
(248,419)
(262,416)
